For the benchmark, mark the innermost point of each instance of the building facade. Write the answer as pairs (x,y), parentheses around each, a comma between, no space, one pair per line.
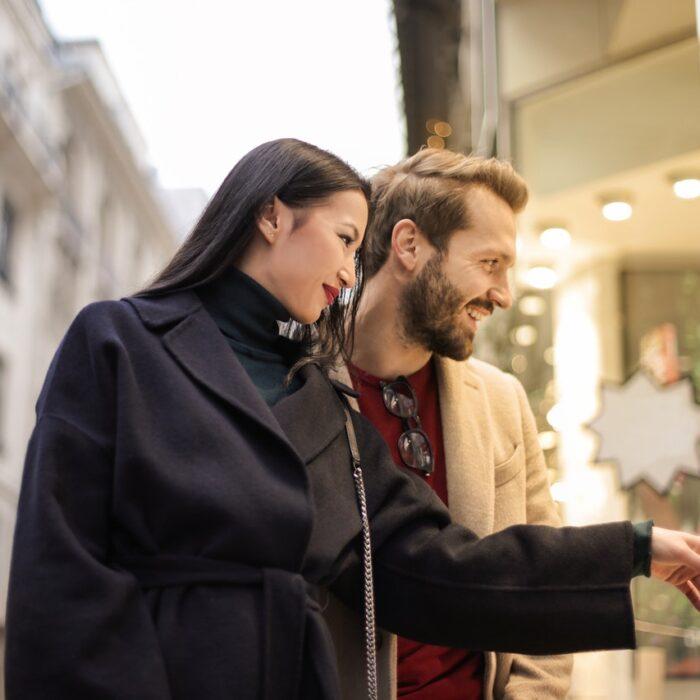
(81,217)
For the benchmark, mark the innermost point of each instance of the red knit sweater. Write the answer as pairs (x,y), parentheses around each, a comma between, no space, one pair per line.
(425,672)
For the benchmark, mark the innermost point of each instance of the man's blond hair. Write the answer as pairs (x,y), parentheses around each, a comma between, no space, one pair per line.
(429,188)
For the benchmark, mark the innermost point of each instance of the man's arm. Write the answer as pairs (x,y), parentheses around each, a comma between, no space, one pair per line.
(537,677)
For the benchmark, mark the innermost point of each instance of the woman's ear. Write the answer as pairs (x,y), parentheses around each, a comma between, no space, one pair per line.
(268,220)
(274,219)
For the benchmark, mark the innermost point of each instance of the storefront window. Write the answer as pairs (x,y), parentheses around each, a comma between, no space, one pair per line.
(662,335)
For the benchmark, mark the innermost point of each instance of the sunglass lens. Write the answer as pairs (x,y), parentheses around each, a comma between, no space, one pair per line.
(415,451)
(399,400)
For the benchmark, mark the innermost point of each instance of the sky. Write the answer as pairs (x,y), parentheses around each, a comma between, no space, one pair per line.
(207,81)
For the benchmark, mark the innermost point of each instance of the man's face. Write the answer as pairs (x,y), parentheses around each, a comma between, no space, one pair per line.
(441,307)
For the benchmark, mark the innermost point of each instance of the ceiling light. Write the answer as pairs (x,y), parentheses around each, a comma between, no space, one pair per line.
(687,188)
(618,210)
(555,238)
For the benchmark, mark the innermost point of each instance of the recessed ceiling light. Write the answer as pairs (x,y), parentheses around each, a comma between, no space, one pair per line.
(687,188)
(618,210)
(555,238)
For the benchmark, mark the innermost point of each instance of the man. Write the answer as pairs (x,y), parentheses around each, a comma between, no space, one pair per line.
(437,255)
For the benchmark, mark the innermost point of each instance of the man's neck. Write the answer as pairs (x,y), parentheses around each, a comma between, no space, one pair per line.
(379,348)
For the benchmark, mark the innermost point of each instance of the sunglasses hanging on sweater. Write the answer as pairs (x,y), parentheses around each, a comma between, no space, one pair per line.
(414,447)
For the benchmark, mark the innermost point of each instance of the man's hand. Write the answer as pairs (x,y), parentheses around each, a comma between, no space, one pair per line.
(675,558)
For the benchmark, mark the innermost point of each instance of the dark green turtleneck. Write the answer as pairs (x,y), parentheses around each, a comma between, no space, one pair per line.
(247,314)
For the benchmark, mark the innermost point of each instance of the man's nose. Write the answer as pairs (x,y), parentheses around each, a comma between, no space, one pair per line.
(501,295)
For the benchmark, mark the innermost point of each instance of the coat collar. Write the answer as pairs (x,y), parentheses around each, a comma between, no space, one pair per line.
(190,334)
(159,311)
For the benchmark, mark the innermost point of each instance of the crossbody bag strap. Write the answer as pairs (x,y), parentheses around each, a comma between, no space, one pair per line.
(368,585)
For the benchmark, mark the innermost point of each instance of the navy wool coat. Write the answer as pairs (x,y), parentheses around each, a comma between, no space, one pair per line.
(173,532)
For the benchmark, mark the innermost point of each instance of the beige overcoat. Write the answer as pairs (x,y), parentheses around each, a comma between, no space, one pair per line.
(496,477)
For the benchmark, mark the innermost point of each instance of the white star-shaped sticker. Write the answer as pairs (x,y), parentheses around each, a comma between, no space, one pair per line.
(650,431)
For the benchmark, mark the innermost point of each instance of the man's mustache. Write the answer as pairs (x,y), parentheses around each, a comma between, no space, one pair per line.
(484,304)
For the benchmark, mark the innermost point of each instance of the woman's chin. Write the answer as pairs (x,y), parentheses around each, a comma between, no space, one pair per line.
(306,317)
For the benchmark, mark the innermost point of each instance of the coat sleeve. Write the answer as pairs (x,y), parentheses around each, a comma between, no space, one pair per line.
(75,627)
(531,589)
(536,677)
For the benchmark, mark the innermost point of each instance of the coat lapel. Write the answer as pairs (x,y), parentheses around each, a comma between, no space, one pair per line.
(312,417)
(201,349)
(468,445)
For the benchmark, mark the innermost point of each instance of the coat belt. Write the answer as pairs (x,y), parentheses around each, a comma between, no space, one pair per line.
(287,600)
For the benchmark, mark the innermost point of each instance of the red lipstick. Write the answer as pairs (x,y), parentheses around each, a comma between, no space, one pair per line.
(331,293)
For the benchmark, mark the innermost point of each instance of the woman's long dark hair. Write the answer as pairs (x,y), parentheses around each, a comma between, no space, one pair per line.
(300,175)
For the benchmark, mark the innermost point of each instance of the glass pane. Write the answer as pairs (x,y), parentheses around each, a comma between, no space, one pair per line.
(662,334)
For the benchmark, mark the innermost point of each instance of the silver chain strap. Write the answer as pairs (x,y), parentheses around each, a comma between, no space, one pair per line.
(370,629)
(368,582)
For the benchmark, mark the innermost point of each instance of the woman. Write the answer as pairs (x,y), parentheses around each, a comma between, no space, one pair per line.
(183,501)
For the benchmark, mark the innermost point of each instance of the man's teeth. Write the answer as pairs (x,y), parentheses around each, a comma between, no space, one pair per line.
(476,314)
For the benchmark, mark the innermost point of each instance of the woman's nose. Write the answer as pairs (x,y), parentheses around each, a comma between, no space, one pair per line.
(347,278)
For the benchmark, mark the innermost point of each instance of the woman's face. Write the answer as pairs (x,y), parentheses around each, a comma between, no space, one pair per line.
(305,256)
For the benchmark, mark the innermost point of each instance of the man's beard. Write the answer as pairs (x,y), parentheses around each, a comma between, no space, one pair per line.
(429,313)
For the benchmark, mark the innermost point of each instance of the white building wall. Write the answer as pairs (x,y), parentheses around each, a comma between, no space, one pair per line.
(61,158)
